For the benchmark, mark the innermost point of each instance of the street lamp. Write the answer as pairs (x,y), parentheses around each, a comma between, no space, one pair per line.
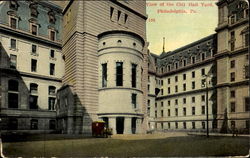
(205,83)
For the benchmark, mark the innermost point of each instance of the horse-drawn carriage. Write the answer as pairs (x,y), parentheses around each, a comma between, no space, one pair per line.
(99,129)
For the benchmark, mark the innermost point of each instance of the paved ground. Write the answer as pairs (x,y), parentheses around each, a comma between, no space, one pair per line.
(150,145)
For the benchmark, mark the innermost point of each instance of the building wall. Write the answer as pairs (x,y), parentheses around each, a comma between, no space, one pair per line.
(83,22)
(20,117)
(232,32)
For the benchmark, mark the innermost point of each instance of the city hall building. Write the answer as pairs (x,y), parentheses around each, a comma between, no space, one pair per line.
(66,64)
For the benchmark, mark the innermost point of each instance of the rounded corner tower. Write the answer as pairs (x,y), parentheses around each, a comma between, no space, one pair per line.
(120,60)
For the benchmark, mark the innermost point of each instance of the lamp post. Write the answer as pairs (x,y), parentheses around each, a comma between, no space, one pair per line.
(206,84)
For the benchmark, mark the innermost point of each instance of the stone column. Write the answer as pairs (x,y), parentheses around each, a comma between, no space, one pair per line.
(127,125)
(112,124)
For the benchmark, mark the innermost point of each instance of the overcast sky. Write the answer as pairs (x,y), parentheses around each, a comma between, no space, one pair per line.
(179,29)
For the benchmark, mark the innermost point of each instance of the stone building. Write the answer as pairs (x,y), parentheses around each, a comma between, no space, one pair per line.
(31,65)
(220,60)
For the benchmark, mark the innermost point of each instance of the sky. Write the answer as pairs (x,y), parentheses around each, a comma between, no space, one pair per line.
(179,29)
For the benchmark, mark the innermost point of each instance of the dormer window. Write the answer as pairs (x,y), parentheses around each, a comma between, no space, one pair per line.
(13,23)
(13,4)
(33,10)
(52,35)
(193,59)
(52,18)
(34,29)
(233,19)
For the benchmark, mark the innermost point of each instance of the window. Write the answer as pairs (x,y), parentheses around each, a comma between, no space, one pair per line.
(232,76)
(232,41)
(184,76)
(193,85)
(169,125)
(13,87)
(193,99)
(33,88)
(162,104)
(184,111)
(149,88)
(33,102)
(52,18)
(169,102)
(119,74)
(13,100)
(203,125)
(161,91)
(52,90)
(202,72)
(52,124)
(203,98)
(176,125)
(33,48)
(104,75)
(247,124)
(52,35)
(184,100)
(52,69)
(232,123)
(111,12)
(168,80)
(232,64)
(13,44)
(247,104)
(33,10)
(193,60)
(176,112)
(33,65)
(118,15)
(133,98)
(176,101)
(203,110)
(155,114)
(125,18)
(184,125)
(232,19)
(51,103)
(13,23)
(184,87)
(232,94)
(162,113)
(168,112)
(52,53)
(193,125)
(232,106)
(168,90)
(193,74)
(176,65)
(148,112)
(13,124)
(184,62)
(133,70)
(155,105)
(13,61)
(34,124)
(176,88)
(203,56)
(176,78)
(34,29)
(246,39)
(246,71)
(169,68)
(193,110)
(13,4)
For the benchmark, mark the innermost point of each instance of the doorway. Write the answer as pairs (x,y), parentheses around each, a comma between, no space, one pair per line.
(133,125)
(119,125)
